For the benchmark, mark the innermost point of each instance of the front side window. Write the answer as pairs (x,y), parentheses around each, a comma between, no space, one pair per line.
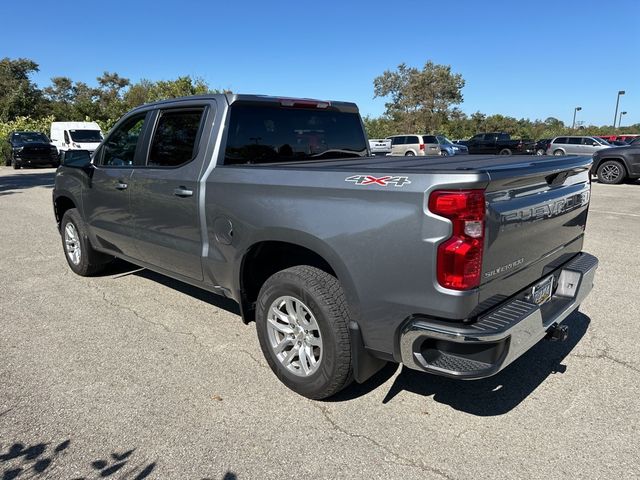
(120,148)
(174,141)
(268,134)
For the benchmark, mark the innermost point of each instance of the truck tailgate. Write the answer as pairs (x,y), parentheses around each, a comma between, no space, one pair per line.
(536,215)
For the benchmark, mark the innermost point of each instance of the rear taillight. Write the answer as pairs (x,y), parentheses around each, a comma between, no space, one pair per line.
(459,261)
(422,146)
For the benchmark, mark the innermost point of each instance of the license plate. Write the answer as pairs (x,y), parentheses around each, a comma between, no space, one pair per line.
(541,292)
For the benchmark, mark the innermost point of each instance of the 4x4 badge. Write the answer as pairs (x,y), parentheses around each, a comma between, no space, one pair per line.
(382,181)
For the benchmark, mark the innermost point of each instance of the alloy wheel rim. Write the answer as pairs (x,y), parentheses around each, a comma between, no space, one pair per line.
(294,336)
(610,172)
(72,243)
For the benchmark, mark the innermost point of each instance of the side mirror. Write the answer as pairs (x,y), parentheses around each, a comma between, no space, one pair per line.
(80,159)
(595,144)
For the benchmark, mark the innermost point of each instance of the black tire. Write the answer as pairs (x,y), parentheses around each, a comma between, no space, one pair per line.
(444,153)
(540,151)
(323,295)
(91,261)
(611,172)
(16,165)
(505,151)
(558,153)
(409,154)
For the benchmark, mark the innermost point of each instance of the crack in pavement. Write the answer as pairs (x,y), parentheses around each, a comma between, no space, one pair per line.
(146,320)
(604,355)
(399,459)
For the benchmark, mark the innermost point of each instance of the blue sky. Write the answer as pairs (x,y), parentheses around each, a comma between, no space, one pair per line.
(525,59)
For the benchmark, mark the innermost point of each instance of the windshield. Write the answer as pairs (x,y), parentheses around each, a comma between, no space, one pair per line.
(29,137)
(86,136)
(444,140)
(602,141)
(266,134)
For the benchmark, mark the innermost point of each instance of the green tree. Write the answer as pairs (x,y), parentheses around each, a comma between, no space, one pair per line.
(19,96)
(419,100)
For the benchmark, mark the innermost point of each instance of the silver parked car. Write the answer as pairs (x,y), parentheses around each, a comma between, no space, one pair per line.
(410,145)
(576,145)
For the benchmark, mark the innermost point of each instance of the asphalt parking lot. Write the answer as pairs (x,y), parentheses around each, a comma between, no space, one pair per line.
(132,375)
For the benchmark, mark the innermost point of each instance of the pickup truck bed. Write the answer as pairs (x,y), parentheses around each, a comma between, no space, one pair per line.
(359,260)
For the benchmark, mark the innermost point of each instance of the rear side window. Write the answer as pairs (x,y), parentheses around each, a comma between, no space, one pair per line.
(260,134)
(174,141)
(413,140)
(575,141)
(429,139)
(397,140)
(560,140)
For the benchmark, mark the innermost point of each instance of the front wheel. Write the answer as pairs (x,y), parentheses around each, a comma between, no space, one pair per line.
(611,172)
(540,151)
(444,153)
(302,323)
(16,164)
(80,255)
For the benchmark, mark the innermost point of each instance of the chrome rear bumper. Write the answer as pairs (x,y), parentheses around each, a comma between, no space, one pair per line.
(487,346)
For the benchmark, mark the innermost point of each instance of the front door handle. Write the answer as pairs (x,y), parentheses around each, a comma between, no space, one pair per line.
(183,192)
(121,185)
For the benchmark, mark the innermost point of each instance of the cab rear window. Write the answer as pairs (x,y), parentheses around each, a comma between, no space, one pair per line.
(270,134)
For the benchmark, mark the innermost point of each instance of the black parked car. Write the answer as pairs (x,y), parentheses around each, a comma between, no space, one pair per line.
(540,147)
(614,165)
(31,149)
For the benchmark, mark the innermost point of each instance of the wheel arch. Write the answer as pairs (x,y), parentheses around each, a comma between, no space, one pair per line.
(266,256)
(62,203)
(615,158)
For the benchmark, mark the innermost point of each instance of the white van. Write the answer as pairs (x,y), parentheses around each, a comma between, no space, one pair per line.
(76,135)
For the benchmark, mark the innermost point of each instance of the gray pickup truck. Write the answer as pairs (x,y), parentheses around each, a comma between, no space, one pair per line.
(344,261)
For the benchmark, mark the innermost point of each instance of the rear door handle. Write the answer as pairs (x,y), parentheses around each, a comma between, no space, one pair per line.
(121,185)
(183,192)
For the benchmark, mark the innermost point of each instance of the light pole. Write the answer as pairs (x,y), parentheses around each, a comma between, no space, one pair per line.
(575,110)
(615,115)
(620,121)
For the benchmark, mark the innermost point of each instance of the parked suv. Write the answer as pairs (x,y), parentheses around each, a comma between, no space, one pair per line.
(576,145)
(410,145)
(617,164)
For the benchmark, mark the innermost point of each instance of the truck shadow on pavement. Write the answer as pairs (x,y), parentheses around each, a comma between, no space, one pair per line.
(120,268)
(14,183)
(491,396)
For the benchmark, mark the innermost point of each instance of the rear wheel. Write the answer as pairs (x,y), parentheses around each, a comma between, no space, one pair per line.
(302,323)
(505,151)
(80,255)
(611,172)
(409,154)
(558,153)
